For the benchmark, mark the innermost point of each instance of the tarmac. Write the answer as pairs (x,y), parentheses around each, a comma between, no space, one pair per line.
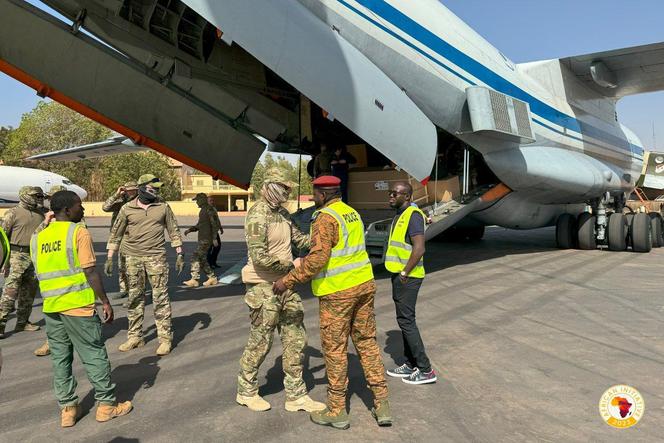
(525,339)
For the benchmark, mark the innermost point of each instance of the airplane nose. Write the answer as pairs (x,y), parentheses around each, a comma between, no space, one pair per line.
(79,191)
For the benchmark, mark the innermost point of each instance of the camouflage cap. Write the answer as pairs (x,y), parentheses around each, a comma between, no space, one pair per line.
(30,190)
(149,179)
(202,195)
(130,186)
(277,175)
(54,189)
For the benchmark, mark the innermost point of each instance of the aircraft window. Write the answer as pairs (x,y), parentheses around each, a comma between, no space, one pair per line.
(66,182)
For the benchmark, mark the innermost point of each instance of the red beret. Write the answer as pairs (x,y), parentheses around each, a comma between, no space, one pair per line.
(327,181)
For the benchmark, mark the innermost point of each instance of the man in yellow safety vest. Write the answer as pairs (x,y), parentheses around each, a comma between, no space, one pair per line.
(404,260)
(64,262)
(342,279)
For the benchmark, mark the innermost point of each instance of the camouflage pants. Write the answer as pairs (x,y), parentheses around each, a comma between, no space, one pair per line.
(199,260)
(267,312)
(342,316)
(20,286)
(122,274)
(156,270)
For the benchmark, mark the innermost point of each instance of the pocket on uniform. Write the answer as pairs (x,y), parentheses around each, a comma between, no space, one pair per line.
(256,317)
(255,296)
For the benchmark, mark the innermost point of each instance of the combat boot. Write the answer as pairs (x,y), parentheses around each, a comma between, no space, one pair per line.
(120,295)
(131,343)
(304,403)
(211,281)
(108,412)
(382,413)
(26,327)
(69,415)
(328,418)
(164,348)
(191,283)
(255,403)
(43,350)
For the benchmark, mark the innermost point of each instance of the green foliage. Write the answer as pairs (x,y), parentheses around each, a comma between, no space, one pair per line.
(306,188)
(5,134)
(52,126)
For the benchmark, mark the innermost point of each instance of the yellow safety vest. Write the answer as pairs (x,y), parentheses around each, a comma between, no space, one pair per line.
(62,282)
(398,251)
(4,248)
(349,263)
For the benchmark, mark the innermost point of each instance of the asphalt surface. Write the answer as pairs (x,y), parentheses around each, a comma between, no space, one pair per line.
(525,339)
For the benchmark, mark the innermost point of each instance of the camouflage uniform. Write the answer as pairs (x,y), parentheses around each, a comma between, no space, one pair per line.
(141,232)
(21,285)
(269,234)
(207,227)
(113,204)
(342,314)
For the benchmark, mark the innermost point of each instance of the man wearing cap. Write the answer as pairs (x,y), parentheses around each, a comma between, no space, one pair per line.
(208,227)
(138,233)
(270,233)
(113,204)
(20,222)
(342,279)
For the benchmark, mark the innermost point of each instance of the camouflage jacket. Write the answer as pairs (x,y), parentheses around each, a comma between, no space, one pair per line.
(19,223)
(113,204)
(208,224)
(266,258)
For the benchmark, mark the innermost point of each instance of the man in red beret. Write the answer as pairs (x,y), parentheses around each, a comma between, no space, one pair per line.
(341,276)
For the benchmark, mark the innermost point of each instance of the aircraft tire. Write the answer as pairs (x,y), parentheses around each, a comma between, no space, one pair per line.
(656,229)
(566,232)
(641,235)
(618,232)
(586,236)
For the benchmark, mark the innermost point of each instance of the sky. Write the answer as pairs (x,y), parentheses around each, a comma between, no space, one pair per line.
(524,30)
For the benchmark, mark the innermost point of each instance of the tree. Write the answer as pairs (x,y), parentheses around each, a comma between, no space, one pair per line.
(5,134)
(52,126)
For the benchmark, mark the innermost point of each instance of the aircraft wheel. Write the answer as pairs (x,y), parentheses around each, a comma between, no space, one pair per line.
(640,232)
(656,229)
(618,232)
(566,231)
(586,236)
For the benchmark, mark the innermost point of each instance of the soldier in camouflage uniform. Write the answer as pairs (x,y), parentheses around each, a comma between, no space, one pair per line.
(345,313)
(140,228)
(270,233)
(207,227)
(20,222)
(113,204)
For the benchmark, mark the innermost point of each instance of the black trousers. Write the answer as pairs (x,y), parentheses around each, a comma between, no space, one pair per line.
(213,253)
(405,299)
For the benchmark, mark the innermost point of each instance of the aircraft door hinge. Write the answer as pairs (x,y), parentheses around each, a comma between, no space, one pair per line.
(79,21)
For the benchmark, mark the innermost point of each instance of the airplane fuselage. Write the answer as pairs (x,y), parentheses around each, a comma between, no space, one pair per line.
(14,178)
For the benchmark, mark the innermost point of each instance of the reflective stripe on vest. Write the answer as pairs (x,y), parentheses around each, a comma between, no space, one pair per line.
(398,251)
(4,248)
(349,263)
(62,281)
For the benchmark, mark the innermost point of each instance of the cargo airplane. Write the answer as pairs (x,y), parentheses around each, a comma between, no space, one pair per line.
(200,80)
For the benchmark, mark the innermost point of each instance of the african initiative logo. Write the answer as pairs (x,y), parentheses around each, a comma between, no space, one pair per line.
(621,406)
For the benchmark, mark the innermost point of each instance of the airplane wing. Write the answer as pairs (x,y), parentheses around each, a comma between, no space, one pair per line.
(621,72)
(114,145)
(319,62)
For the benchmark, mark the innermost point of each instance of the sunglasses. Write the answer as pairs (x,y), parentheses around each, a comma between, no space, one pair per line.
(395,193)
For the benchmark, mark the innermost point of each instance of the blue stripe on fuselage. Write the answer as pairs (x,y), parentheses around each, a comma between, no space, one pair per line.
(490,78)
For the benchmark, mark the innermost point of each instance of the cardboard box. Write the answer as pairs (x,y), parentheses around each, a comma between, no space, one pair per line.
(368,188)
(444,190)
(360,154)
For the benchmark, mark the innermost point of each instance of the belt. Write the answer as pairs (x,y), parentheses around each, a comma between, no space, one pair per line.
(18,248)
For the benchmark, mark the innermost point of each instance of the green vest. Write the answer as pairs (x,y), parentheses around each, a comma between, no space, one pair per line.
(4,248)
(398,251)
(62,282)
(349,263)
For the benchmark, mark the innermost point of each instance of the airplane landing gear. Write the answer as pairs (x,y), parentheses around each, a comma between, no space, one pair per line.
(566,232)
(618,232)
(641,233)
(587,233)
